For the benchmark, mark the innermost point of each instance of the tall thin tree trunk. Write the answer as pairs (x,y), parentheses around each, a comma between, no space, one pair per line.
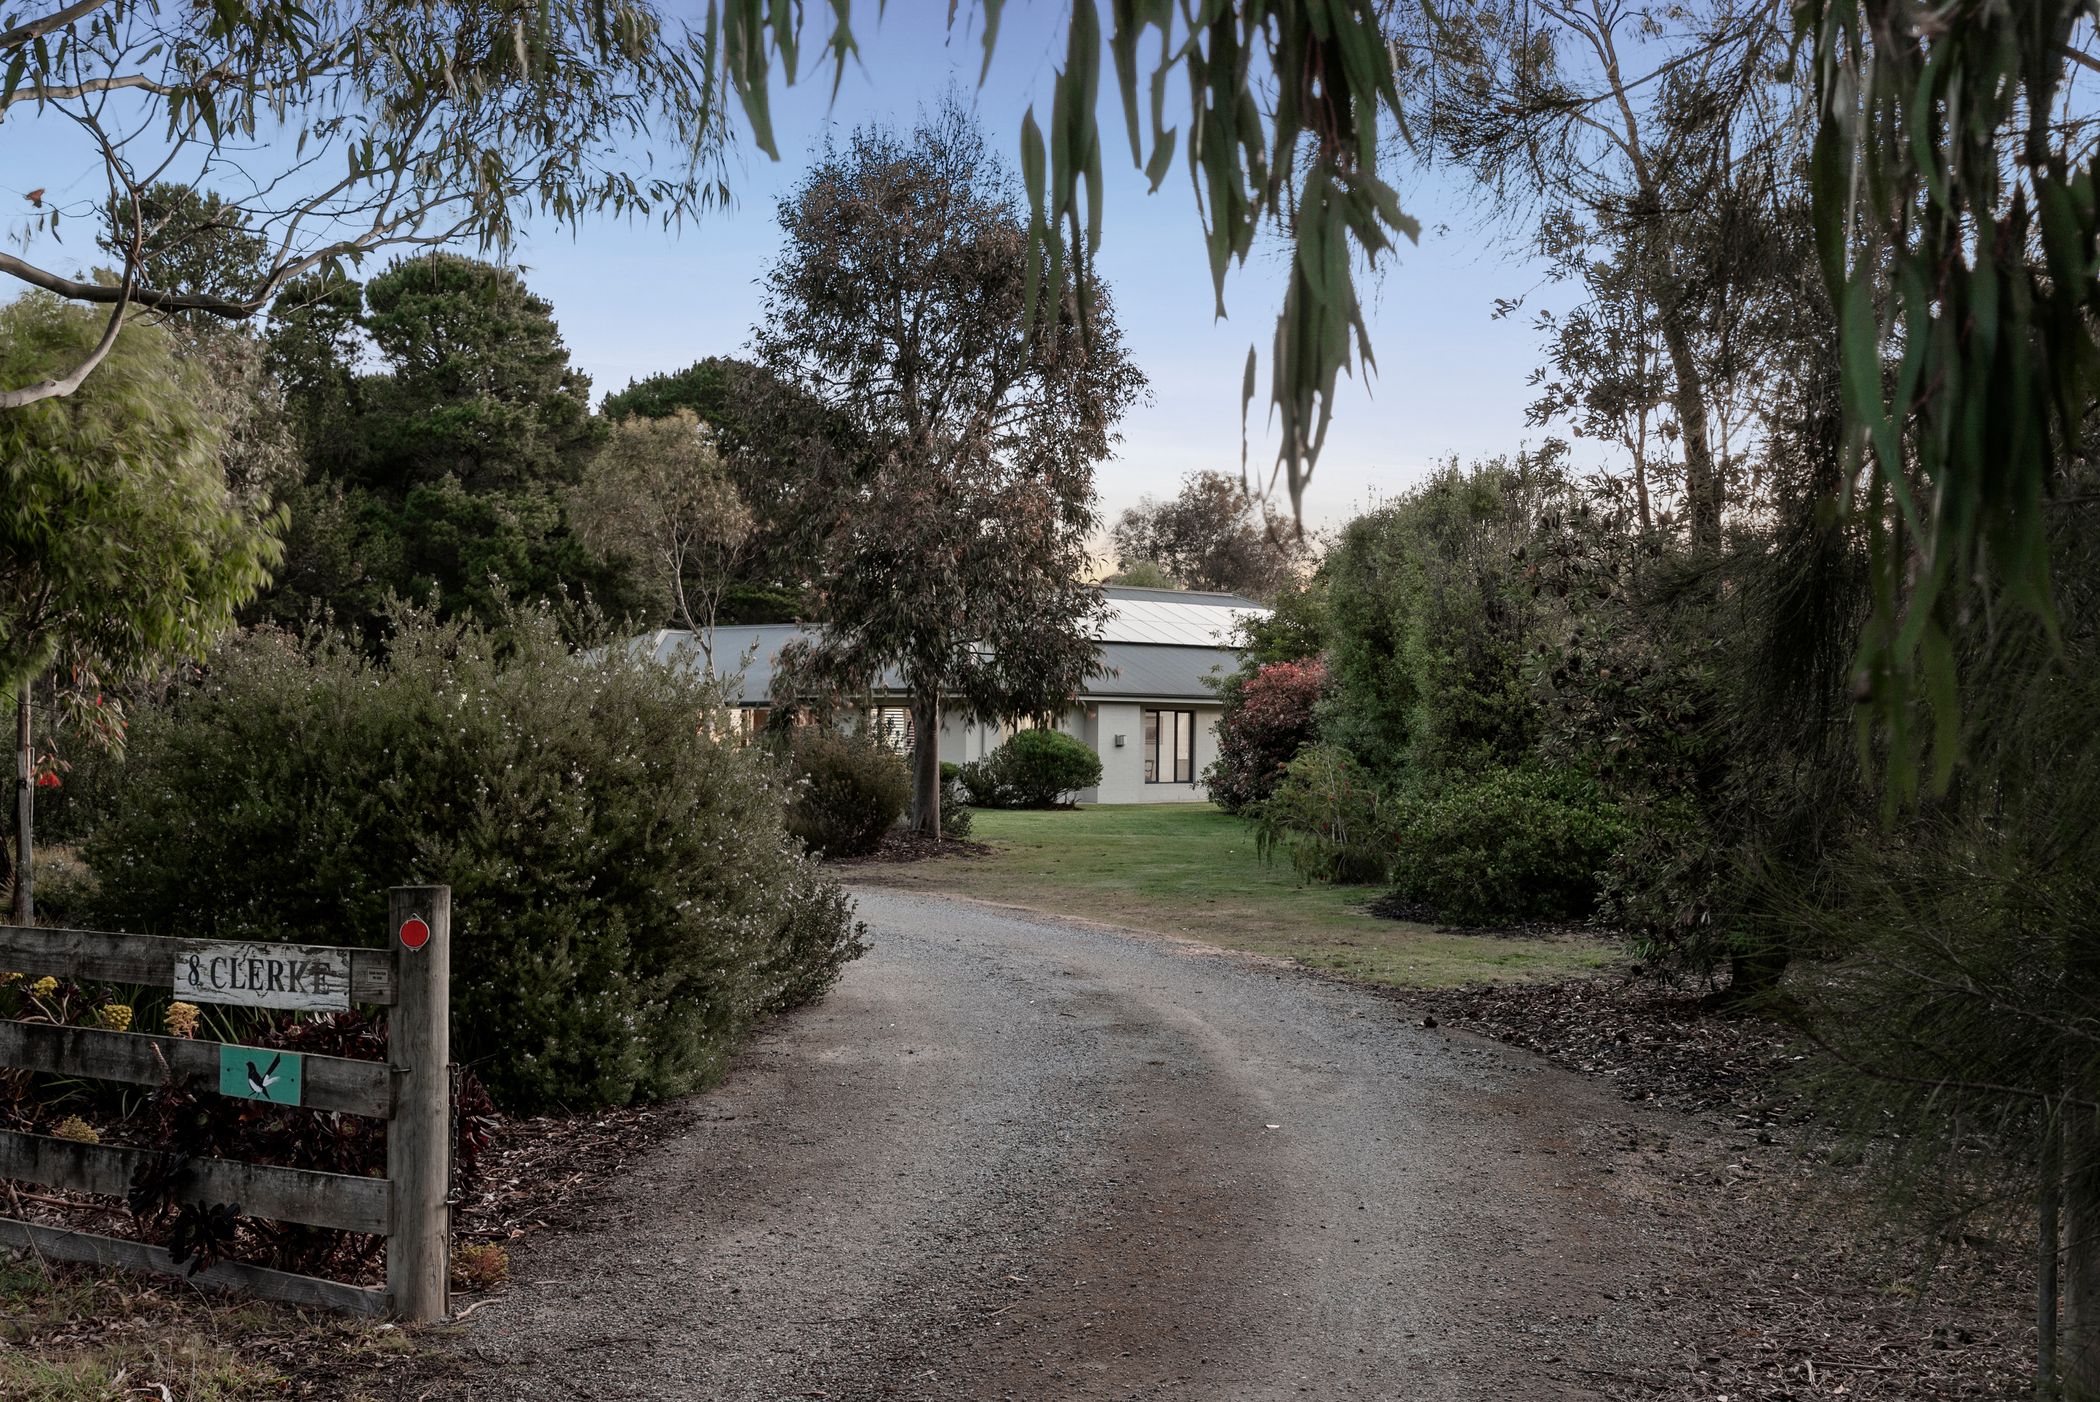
(1702,478)
(2049,1214)
(25,812)
(926,765)
(2079,1334)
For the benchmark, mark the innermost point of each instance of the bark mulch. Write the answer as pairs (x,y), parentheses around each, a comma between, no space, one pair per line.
(900,846)
(546,1171)
(1668,1044)
(1798,1284)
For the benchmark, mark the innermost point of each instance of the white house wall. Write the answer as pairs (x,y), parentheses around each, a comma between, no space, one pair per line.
(1123,766)
(1098,723)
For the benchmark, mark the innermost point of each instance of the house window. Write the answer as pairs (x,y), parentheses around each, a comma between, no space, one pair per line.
(1170,747)
(892,726)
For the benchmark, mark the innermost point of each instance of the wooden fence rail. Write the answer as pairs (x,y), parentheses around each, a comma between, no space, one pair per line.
(64,1244)
(97,956)
(336,1083)
(411,1091)
(304,1195)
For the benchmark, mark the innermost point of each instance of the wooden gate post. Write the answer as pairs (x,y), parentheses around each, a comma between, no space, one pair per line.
(419,1140)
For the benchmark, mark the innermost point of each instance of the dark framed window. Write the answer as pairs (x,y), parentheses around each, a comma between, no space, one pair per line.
(1170,747)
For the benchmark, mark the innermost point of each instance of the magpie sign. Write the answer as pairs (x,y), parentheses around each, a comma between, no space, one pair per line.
(259,1073)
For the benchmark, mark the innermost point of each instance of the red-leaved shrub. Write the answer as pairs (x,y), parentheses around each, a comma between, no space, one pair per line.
(1268,718)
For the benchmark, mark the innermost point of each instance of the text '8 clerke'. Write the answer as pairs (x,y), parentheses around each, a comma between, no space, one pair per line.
(263,975)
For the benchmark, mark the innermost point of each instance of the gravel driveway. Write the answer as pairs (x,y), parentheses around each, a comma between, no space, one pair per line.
(1012,1157)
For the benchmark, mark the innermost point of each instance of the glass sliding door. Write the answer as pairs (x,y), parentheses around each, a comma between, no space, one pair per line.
(1170,747)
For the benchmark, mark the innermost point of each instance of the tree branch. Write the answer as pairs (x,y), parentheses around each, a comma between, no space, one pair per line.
(153,298)
(58,19)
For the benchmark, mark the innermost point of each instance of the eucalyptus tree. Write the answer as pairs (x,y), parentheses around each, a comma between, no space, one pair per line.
(1212,534)
(953,549)
(660,495)
(335,130)
(1650,142)
(783,452)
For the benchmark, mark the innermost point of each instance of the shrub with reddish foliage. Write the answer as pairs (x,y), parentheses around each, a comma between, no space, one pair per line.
(1268,719)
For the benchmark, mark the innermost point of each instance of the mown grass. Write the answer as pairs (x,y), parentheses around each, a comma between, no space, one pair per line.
(1189,869)
(73,1334)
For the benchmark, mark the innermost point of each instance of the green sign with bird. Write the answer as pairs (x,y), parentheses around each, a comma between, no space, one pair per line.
(257,1073)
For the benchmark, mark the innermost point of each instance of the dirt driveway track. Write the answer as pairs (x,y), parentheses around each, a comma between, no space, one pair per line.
(1011,1157)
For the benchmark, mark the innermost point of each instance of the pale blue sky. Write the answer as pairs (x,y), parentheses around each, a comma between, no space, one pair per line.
(633,299)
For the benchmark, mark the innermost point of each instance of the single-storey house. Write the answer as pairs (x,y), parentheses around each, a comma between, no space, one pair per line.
(1152,715)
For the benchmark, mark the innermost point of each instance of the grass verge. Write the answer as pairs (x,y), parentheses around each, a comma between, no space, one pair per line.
(72,1334)
(1189,869)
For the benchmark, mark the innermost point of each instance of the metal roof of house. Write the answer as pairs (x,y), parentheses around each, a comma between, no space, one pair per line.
(1173,616)
(1161,672)
(751,651)
(1157,644)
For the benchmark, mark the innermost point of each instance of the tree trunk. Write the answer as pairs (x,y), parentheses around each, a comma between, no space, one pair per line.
(926,765)
(1754,972)
(2048,1244)
(1702,480)
(2078,1340)
(25,807)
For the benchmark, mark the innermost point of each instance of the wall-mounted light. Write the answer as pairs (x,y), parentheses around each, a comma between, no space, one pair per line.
(1119,742)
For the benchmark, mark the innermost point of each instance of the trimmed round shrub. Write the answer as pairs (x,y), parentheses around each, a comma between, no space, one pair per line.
(851,792)
(1033,769)
(1511,844)
(1266,721)
(626,900)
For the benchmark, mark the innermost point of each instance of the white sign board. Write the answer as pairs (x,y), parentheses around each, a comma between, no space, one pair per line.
(262,975)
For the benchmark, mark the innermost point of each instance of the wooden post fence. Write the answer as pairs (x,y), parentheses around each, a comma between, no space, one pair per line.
(419,1141)
(411,1090)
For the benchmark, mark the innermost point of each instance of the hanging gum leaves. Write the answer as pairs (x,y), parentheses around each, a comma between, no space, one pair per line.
(1287,99)
(1957,239)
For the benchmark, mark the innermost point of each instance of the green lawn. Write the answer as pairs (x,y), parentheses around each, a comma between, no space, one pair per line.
(1188,869)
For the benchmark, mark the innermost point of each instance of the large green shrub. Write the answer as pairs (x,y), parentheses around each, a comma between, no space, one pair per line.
(850,791)
(1431,615)
(1326,811)
(626,900)
(1033,769)
(1511,844)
